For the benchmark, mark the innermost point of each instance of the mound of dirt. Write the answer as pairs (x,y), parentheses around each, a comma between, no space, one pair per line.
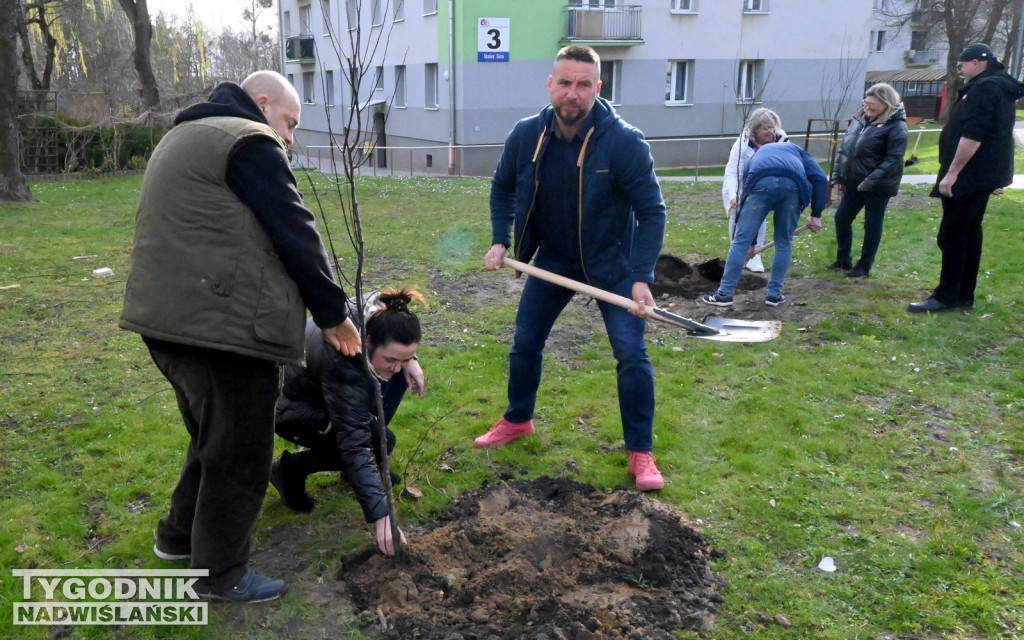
(674,276)
(545,559)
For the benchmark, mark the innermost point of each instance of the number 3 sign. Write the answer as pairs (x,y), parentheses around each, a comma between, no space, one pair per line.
(492,40)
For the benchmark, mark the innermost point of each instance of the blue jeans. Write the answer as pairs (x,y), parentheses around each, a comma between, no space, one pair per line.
(874,216)
(772,193)
(540,305)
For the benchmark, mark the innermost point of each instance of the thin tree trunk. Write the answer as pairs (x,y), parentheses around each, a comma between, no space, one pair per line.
(12,182)
(138,14)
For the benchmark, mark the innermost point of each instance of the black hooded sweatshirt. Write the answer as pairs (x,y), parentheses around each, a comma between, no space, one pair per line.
(983,112)
(259,174)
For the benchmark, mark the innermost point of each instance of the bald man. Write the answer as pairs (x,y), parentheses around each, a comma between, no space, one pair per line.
(226,261)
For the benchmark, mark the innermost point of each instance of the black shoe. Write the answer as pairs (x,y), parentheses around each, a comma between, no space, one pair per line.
(839,266)
(291,486)
(250,589)
(931,305)
(395,478)
(857,272)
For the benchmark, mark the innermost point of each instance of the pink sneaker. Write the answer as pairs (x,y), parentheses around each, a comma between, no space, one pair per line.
(504,432)
(645,468)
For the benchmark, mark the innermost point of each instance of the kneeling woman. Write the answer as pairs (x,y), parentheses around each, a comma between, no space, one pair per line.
(329,407)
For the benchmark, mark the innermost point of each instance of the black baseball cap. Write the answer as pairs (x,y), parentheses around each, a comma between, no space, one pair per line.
(978,51)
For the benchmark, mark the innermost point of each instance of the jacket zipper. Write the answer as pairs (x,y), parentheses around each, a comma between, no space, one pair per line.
(579,202)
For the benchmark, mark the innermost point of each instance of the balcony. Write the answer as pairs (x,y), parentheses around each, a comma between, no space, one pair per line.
(300,49)
(619,25)
(923,58)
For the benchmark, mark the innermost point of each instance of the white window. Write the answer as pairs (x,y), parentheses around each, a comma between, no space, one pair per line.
(429,7)
(878,41)
(683,6)
(755,6)
(400,85)
(286,23)
(325,8)
(378,13)
(751,76)
(352,13)
(308,87)
(677,82)
(305,21)
(398,9)
(430,86)
(329,87)
(378,79)
(610,72)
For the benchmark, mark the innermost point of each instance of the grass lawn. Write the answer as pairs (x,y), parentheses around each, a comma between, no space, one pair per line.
(889,442)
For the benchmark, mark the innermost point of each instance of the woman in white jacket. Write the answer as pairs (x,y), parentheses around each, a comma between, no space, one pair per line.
(763,126)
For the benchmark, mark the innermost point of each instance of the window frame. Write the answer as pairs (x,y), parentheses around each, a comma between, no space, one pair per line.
(612,69)
(308,88)
(750,80)
(329,87)
(400,100)
(671,80)
(431,84)
(676,7)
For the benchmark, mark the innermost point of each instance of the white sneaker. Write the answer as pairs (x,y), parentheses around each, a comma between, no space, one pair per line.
(755,264)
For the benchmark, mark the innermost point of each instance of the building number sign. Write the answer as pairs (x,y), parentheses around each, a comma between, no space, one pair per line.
(492,40)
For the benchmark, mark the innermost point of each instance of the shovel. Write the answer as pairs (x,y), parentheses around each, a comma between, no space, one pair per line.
(771,244)
(713,328)
(714,268)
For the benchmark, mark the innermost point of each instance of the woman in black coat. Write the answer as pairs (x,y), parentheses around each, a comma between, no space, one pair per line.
(329,407)
(867,173)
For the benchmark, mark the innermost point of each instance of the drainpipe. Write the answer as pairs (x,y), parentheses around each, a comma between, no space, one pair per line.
(451,87)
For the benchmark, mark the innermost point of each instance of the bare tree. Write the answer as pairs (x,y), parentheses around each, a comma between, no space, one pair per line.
(258,40)
(838,91)
(960,22)
(357,54)
(138,15)
(12,181)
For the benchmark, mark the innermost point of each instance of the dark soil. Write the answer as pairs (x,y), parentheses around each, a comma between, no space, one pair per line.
(547,558)
(542,559)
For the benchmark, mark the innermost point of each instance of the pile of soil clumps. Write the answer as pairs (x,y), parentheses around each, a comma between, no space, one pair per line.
(548,558)
(674,276)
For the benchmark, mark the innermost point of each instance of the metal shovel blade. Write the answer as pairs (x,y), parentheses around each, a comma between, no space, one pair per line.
(732,330)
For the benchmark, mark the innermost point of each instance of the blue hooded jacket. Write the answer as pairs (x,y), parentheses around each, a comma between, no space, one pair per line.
(621,218)
(786,160)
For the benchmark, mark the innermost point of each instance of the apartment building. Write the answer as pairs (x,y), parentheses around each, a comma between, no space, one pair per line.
(460,73)
(907,49)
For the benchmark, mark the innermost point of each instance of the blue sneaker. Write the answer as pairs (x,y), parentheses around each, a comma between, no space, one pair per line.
(717,299)
(250,589)
(774,300)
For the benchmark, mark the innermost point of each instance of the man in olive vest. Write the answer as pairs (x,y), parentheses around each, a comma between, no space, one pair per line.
(225,263)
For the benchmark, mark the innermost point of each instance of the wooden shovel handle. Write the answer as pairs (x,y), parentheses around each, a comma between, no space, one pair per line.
(771,244)
(609,297)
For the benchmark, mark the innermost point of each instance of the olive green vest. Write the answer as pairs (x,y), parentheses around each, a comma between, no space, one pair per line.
(203,270)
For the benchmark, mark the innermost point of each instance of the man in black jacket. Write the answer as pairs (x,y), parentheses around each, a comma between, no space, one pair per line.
(225,262)
(975,158)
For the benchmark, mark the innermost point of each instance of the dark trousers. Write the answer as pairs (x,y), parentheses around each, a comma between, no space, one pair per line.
(874,216)
(227,404)
(960,239)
